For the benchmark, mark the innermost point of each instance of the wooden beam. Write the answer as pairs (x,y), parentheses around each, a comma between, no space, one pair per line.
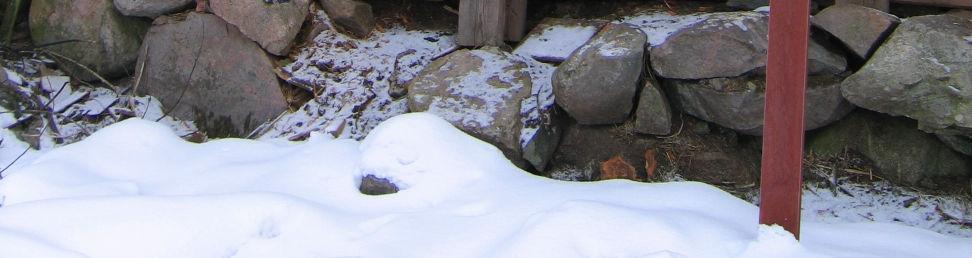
(943,3)
(516,15)
(882,5)
(786,81)
(481,22)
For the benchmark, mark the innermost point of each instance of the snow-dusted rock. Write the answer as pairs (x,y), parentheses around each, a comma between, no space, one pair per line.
(482,92)
(352,15)
(554,39)
(216,77)
(728,45)
(107,42)
(150,8)
(598,83)
(860,28)
(923,71)
(273,24)
(737,103)
(654,115)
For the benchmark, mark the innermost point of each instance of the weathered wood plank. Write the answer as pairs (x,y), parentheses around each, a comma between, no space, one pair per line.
(883,5)
(516,15)
(482,22)
(786,80)
(944,3)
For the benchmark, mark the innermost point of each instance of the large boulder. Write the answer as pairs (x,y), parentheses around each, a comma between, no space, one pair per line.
(598,83)
(273,24)
(729,45)
(898,150)
(353,16)
(737,103)
(103,39)
(654,115)
(205,70)
(150,8)
(923,71)
(860,28)
(483,92)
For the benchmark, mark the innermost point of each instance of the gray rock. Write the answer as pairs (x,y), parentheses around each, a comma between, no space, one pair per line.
(737,103)
(373,185)
(960,143)
(205,70)
(151,8)
(923,71)
(540,149)
(860,28)
(107,42)
(900,152)
(273,25)
(654,115)
(478,91)
(729,45)
(598,83)
(352,15)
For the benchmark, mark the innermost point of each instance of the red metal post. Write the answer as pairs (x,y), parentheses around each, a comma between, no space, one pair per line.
(786,80)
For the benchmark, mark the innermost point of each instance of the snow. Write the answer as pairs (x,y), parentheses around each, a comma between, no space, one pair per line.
(535,109)
(14,77)
(61,93)
(660,25)
(883,202)
(968,39)
(556,42)
(459,198)
(477,96)
(762,9)
(351,79)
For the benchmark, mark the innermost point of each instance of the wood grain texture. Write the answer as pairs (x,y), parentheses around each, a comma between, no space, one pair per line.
(516,15)
(786,80)
(482,22)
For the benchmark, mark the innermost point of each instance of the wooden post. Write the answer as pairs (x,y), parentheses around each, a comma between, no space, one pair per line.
(882,5)
(482,22)
(786,80)
(515,19)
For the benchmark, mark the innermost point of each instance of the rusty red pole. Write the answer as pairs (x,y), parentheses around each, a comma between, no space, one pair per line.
(786,80)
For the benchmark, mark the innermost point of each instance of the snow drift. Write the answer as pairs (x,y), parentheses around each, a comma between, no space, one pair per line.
(135,189)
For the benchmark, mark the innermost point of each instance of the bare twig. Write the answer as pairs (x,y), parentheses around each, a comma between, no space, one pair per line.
(43,129)
(102,79)
(138,75)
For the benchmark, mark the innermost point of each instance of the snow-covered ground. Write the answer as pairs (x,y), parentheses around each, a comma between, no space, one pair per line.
(135,189)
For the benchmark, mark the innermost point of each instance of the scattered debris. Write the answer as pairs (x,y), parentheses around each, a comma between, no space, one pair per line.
(351,79)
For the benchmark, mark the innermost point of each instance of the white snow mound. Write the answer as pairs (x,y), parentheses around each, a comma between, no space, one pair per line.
(134,189)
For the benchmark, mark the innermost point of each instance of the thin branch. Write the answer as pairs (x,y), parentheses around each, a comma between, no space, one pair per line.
(102,79)
(189,78)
